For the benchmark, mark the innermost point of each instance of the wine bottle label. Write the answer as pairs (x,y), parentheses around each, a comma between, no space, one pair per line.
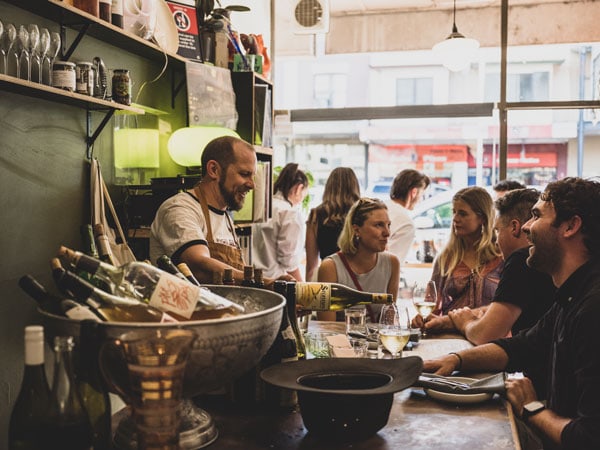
(288,333)
(81,313)
(175,295)
(313,296)
(380,298)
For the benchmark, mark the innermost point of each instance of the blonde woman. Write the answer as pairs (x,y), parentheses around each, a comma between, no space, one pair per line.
(467,270)
(325,222)
(362,262)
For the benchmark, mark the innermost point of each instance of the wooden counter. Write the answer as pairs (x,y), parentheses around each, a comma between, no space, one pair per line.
(416,422)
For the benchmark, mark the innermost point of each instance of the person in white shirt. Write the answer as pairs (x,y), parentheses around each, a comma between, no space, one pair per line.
(406,191)
(278,244)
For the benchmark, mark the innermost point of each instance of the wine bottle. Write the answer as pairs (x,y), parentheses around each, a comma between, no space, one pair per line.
(47,302)
(34,396)
(228,279)
(77,311)
(248,280)
(334,296)
(187,273)
(109,307)
(91,385)
(66,425)
(87,240)
(165,263)
(103,244)
(284,349)
(117,13)
(150,285)
(259,281)
(289,292)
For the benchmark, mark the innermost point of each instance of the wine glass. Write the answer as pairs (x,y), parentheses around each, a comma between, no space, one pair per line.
(7,43)
(42,50)
(48,61)
(23,52)
(34,58)
(425,299)
(393,332)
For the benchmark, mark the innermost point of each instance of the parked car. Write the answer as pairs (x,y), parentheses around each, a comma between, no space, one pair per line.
(381,190)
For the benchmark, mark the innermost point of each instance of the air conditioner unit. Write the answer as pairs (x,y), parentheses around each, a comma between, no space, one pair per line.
(311,16)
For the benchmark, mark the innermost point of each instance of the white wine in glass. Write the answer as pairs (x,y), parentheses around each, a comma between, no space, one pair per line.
(425,299)
(393,333)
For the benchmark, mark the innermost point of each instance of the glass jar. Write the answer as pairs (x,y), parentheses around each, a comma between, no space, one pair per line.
(121,86)
(63,75)
(84,78)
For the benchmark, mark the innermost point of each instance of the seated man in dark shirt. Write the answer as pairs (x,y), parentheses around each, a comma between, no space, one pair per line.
(565,236)
(523,294)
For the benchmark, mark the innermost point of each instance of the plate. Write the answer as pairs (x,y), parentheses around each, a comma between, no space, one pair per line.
(458,398)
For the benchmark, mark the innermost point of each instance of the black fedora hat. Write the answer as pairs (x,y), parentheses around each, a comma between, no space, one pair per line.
(345,399)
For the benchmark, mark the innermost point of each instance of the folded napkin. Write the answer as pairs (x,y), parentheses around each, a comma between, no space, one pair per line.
(491,384)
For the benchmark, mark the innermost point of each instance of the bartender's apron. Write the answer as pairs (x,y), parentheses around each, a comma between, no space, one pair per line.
(225,253)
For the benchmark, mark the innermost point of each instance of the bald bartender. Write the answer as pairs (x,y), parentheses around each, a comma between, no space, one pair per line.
(194,226)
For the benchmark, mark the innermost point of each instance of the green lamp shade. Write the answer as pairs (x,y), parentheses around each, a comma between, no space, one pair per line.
(187,144)
(136,148)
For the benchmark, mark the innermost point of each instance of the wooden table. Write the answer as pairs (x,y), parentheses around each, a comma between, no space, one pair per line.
(416,422)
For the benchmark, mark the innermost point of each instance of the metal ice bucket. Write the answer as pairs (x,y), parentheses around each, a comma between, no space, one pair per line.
(225,348)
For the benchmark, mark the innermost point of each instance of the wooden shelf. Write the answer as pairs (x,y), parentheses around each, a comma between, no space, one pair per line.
(37,90)
(75,18)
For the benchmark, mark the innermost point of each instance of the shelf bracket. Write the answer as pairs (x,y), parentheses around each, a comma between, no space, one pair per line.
(67,51)
(175,88)
(91,137)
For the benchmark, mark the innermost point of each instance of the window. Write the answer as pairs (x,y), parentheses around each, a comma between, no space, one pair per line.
(414,91)
(330,90)
(520,87)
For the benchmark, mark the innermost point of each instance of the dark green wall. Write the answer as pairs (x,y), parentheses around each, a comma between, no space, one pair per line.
(44,187)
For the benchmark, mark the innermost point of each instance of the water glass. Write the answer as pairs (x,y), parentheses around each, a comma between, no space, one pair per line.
(317,344)
(360,347)
(356,321)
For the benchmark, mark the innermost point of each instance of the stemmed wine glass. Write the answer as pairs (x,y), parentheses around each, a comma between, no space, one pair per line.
(34,59)
(48,60)
(42,50)
(425,299)
(7,44)
(23,68)
(393,332)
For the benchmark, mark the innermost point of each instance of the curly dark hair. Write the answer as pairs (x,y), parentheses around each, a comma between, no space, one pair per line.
(574,196)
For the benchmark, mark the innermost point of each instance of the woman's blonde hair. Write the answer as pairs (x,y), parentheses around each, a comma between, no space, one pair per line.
(341,191)
(358,214)
(480,201)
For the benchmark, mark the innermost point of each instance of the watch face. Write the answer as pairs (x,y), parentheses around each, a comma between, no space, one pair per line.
(533,407)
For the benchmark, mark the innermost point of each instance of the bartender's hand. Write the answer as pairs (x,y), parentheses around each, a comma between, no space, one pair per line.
(519,392)
(441,366)
(270,281)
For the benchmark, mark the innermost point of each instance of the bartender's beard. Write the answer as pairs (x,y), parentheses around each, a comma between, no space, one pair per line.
(230,196)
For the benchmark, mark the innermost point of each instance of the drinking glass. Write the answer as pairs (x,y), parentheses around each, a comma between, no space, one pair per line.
(356,321)
(393,331)
(42,50)
(155,362)
(34,57)
(317,344)
(48,61)
(23,68)
(7,44)
(425,299)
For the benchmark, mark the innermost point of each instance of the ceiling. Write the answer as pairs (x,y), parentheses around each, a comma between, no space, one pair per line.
(341,7)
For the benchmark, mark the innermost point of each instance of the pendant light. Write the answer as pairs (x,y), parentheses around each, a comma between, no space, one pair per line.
(456,51)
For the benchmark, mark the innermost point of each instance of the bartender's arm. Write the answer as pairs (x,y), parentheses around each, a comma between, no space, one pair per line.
(198,259)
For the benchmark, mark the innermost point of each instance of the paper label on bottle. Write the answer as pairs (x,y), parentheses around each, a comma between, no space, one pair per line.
(175,295)
(81,313)
(313,296)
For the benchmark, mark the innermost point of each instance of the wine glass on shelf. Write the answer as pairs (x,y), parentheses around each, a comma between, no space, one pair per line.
(7,43)
(23,67)
(34,58)
(393,331)
(425,299)
(51,54)
(42,50)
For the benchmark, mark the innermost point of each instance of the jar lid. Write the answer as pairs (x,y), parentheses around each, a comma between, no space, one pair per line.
(85,64)
(121,70)
(63,65)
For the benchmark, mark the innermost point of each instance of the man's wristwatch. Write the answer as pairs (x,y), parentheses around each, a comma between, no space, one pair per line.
(532,408)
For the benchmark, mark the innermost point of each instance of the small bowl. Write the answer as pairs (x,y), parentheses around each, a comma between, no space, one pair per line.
(345,399)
